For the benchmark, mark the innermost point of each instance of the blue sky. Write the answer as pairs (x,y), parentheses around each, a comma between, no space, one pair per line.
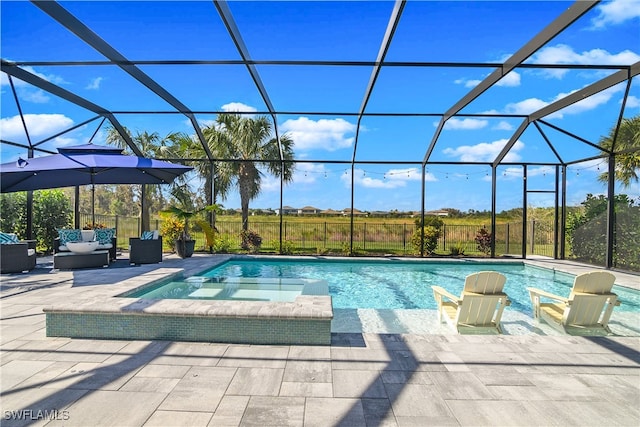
(454,31)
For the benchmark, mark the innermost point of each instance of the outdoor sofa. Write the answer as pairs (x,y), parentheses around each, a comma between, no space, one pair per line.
(106,240)
(17,256)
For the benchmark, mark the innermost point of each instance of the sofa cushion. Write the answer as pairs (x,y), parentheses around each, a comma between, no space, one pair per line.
(104,235)
(69,235)
(8,238)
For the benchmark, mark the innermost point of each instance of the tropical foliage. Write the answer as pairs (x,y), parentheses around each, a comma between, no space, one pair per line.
(587,231)
(627,142)
(249,152)
(153,146)
(51,211)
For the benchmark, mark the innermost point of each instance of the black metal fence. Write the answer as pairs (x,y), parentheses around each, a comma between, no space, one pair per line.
(369,238)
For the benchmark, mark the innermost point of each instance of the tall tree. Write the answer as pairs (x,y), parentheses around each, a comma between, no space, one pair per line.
(250,143)
(628,142)
(151,145)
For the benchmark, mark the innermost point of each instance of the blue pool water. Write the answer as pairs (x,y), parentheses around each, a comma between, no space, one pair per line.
(395,284)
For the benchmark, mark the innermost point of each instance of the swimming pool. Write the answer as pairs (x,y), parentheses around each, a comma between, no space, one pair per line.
(390,284)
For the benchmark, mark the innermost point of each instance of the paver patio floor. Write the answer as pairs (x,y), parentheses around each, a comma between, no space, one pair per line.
(362,379)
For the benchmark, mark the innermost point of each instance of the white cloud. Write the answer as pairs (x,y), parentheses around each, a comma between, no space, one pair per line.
(564,54)
(324,134)
(502,125)
(589,103)
(616,12)
(58,80)
(526,106)
(511,79)
(94,84)
(464,124)
(238,107)
(485,151)
(36,96)
(530,105)
(39,125)
(632,102)
(269,183)
(468,83)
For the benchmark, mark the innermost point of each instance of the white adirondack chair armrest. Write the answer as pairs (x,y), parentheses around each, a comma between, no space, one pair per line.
(440,292)
(539,292)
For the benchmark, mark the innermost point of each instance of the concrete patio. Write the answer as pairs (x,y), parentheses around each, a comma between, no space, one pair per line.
(360,379)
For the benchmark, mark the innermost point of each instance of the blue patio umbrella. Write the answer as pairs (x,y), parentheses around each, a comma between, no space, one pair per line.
(86,164)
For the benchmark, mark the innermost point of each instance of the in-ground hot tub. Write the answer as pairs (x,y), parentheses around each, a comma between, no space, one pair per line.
(297,312)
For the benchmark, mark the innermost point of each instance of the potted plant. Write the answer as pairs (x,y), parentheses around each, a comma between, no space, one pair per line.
(184,244)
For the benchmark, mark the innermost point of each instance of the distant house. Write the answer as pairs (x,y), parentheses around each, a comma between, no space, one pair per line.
(439,212)
(308,210)
(287,210)
(356,212)
(379,213)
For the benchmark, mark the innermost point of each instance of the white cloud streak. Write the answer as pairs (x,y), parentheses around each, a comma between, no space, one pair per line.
(530,105)
(485,151)
(616,12)
(564,54)
(94,84)
(464,124)
(324,134)
(238,107)
(39,125)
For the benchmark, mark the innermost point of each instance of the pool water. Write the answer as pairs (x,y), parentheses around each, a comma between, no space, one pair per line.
(395,284)
(233,289)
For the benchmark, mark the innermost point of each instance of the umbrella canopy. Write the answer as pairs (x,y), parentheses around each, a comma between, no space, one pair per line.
(83,165)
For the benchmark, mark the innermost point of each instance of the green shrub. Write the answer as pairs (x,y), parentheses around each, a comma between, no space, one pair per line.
(251,241)
(223,244)
(171,229)
(430,243)
(457,249)
(51,211)
(287,246)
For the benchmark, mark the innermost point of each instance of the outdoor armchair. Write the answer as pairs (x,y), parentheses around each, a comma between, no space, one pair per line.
(587,309)
(18,257)
(479,308)
(145,251)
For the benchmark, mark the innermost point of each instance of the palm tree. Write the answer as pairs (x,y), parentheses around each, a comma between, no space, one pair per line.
(249,142)
(628,143)
(151,145)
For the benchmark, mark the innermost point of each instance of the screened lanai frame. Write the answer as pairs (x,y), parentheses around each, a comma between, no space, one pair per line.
(618,74)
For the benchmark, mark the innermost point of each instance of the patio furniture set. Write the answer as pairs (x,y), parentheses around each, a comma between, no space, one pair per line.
(74,248)
(479,308)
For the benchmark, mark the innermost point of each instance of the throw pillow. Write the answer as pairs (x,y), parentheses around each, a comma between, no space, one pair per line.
(69,235)
(104,235)
(8,238)
(147,235)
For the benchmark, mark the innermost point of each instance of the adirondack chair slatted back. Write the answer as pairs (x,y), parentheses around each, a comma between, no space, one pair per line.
(595,282)
(478,309)
(484,282)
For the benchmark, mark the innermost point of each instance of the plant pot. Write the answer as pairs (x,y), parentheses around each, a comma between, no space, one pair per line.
(185,248)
